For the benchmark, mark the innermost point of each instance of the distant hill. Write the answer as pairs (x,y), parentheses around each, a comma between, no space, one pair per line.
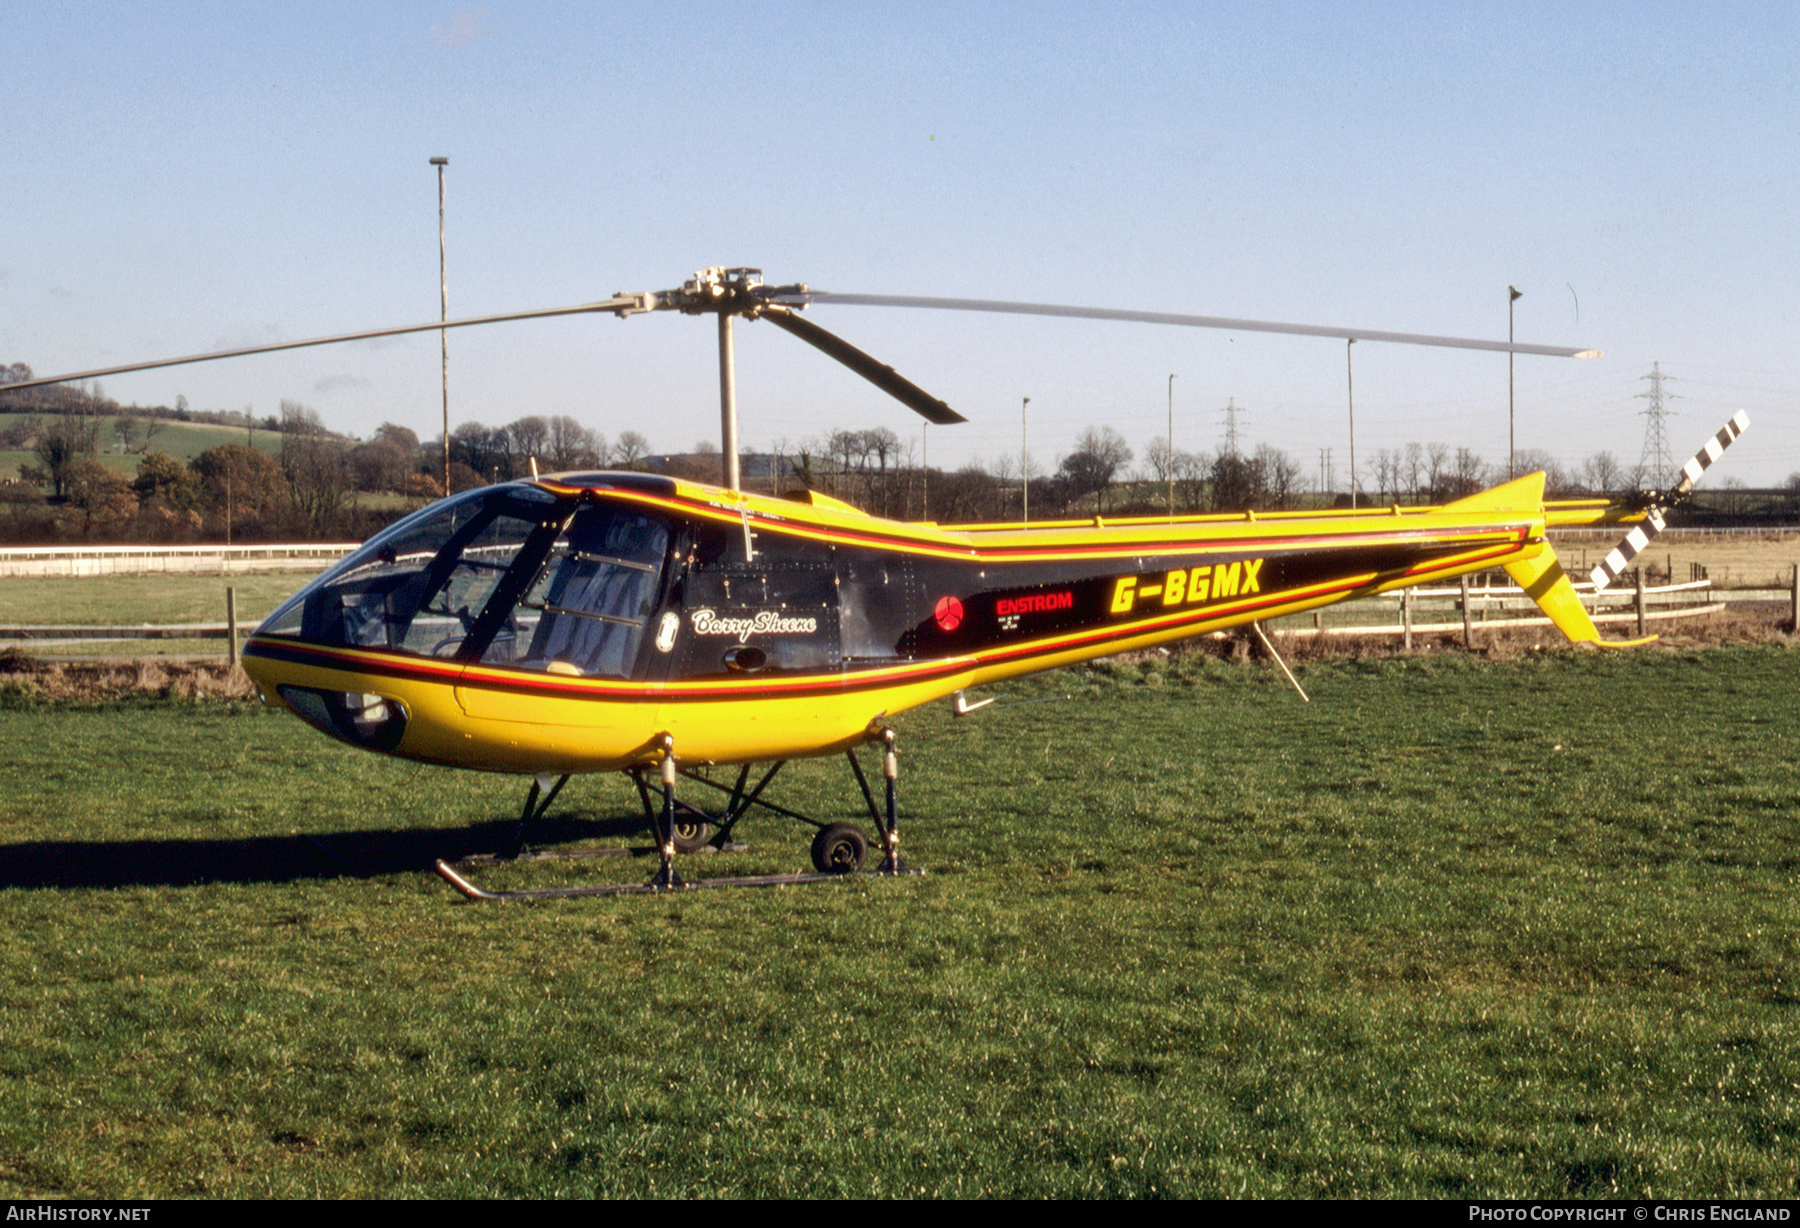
(181,440)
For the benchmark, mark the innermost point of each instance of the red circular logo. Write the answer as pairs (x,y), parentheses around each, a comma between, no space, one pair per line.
(949,613)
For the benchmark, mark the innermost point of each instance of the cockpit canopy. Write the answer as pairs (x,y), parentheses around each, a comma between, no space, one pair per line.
(510,575)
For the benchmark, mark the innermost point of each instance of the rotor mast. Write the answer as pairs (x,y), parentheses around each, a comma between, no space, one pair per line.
(729,292)
(741,292)
(728,432)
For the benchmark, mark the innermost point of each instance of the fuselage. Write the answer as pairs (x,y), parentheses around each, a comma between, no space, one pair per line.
(566,624)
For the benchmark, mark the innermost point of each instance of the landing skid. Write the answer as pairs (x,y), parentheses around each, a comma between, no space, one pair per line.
(678,826)
(473,892)
(536,855)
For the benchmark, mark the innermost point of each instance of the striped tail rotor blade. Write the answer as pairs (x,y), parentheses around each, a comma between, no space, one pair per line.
(1715,447)
(1622,554)
(1639,537)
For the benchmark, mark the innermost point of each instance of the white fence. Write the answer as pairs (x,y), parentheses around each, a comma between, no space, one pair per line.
(1491,606)
(1479,607)
(155,560)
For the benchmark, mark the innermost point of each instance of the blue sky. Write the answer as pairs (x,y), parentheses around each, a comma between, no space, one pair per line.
(186,177)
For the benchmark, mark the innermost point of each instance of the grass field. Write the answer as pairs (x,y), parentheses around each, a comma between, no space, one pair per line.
(126,601)
(1731,560)
(107,601)
(1456,928)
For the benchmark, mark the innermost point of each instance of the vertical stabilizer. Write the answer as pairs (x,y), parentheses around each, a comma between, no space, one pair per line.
(1523,494)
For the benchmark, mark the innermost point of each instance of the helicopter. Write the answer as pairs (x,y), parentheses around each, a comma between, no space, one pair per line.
(630,622)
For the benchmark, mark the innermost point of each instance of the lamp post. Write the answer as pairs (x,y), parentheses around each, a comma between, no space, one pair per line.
(1025,458)
(1169,456)
(925,466)
(1514,296)
(1350,395)
(443,316)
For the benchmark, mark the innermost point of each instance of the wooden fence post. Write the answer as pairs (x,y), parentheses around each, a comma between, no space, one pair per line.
(1468,633)
(1641,621)
(231,653)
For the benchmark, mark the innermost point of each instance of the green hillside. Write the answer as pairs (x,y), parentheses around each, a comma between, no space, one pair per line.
(181,440)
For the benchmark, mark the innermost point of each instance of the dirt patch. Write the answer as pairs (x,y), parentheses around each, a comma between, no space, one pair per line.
(23,674)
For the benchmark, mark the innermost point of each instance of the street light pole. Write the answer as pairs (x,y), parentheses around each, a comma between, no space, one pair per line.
(444,315)
(1025,458)
(925,466)
(1511,446)
(1350,395)
(1169,455)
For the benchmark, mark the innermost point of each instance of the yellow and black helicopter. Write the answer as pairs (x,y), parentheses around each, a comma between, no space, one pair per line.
(613,621)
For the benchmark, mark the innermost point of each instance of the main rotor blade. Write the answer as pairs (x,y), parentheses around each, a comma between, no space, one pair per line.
(870,368)
(618,303)
(1164,317)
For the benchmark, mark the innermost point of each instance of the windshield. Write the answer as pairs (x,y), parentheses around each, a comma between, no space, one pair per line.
(511,575)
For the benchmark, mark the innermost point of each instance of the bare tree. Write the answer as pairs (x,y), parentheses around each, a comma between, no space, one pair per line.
(316,467)
(1191,472)
(487,453)
(1278,474)
(884,444)
(1159,460)
(129,432)
(1236,482)
(1467,473)
(1387,475)
(570,445)
(630,449)
(1557,478)
(1733,500)
(1602,474)
(1437,469)
(1100,453)
(969,495)
(1412,472)
(527,438)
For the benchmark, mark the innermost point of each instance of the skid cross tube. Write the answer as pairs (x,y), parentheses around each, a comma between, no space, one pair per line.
(535,809)
(741,802)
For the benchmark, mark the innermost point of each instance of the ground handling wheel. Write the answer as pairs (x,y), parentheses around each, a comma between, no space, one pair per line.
(839,849)
(691,834)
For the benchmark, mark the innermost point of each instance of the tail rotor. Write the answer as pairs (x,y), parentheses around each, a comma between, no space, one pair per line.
(1656,503)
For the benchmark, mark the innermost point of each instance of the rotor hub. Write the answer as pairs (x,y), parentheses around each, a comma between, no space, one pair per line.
(722,291)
